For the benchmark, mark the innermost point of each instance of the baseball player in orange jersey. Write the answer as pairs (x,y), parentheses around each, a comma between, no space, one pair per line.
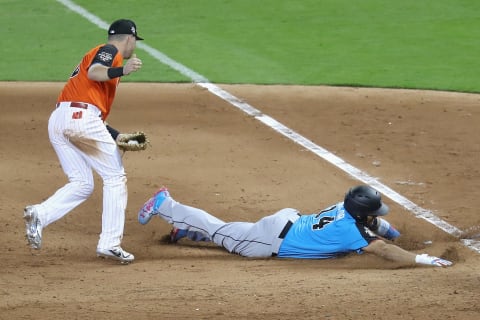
(83,142)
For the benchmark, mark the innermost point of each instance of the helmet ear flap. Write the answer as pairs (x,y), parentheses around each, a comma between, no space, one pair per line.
(355,208)
(350,208)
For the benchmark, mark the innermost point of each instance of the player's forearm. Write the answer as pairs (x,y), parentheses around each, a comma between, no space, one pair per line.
(405,258)
(113,132)
(98,72)
(391,252)
(394,253)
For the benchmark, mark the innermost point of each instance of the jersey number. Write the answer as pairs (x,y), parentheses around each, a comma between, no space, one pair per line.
(322,223)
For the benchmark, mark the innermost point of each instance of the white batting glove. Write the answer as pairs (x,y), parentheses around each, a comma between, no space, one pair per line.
(432,261)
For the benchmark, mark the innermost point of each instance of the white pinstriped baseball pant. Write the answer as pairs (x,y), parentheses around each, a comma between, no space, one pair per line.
(83,143)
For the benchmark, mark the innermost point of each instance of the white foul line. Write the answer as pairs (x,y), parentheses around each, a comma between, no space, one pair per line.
(201,81)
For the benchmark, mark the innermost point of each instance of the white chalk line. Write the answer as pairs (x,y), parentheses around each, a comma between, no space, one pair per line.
(201,81)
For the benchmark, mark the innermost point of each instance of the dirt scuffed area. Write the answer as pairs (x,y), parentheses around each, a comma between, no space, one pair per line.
(423,144)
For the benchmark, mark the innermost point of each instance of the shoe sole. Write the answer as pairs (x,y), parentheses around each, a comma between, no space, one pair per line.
(146,220)
(110,257)
(147,216)
(114,259)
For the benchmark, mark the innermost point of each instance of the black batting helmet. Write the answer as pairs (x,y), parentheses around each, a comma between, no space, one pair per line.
(363,201)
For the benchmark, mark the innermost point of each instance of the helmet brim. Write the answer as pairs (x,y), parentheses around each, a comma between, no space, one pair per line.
(382,211)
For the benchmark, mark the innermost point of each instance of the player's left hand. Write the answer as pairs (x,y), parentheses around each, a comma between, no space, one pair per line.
(132,141)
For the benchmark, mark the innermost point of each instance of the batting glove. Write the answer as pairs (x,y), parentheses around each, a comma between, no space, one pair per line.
(432,261)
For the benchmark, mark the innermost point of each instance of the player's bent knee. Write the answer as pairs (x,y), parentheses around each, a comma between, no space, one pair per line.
(115,180)
(82,189)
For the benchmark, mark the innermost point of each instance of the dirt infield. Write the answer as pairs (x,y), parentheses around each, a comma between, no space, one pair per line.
(424,145)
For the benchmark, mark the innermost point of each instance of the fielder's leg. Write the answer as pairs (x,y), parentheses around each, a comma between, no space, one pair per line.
(76,191)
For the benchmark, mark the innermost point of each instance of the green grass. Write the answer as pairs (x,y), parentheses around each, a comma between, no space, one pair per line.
(430,44)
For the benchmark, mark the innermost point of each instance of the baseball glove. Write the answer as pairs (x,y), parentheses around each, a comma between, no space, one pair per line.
(132,141)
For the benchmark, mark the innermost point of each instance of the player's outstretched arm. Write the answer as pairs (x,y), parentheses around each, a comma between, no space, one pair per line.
(405,258)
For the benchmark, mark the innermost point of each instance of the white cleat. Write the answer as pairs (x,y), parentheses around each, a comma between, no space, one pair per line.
(116,253)
(33,227)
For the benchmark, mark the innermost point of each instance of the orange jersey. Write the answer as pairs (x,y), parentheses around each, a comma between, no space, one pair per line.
(79,88)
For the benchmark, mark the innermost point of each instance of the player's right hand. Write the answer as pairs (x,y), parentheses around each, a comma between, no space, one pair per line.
(132,65)
(431,260)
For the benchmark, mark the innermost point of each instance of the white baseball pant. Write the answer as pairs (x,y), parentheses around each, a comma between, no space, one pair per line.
(260,239)
(83,143)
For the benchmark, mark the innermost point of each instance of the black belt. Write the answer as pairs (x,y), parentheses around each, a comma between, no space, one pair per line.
(285,230)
